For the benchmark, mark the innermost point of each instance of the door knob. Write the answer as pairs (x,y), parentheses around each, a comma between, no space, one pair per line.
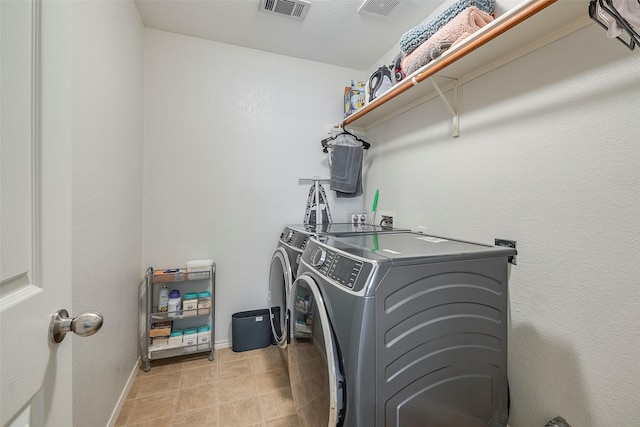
(84,325)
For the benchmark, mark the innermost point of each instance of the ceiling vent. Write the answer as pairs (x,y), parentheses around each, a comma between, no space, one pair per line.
(378,7)
(296,9)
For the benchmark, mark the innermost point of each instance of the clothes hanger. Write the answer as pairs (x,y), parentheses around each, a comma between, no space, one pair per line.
(607,6)
(326,142)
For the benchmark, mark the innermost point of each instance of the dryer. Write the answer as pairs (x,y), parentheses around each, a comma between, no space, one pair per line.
(285,260)
(399,330)
(282,273)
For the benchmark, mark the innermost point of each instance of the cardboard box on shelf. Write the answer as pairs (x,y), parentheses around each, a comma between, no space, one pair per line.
(354,97)
(347,101)
(160,329)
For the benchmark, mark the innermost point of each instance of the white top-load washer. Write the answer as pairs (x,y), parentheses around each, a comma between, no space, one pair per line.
(400,329)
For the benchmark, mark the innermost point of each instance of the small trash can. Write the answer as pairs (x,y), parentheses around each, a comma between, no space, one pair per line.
(250,330)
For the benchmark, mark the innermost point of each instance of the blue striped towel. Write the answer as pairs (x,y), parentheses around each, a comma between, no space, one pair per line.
(420,33)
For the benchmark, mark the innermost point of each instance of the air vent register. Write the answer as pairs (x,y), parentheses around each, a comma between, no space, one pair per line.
(296,9)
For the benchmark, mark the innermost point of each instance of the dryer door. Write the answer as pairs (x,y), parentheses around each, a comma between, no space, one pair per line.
(317,383)
(280,277)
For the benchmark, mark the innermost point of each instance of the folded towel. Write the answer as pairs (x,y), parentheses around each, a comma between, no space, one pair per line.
(464,24)
(413,38)
(420,57)
(346,171)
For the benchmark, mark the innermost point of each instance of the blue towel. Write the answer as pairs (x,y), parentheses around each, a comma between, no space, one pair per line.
(346,171)
(420,33)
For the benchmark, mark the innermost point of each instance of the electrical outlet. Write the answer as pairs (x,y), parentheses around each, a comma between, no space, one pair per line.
(360,217)
(387,218)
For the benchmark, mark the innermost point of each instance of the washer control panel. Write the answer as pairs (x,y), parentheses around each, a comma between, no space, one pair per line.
(319,257)
(345,270)
(294,238)
(342,269)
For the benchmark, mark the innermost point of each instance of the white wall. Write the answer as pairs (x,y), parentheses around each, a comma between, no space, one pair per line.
(107,199)
(228,132)
(548,156)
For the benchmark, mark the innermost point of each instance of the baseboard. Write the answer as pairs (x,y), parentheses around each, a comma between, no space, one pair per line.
(123,396)
(222,344)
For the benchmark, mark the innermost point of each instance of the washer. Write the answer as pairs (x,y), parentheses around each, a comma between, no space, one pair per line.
(285,260)
(399,330)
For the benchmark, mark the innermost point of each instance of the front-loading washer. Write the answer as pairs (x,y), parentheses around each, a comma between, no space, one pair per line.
(282,273)
(285,260)
(399,330)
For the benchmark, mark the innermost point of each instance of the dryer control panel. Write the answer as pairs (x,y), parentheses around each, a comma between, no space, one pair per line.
(294,238)
(344,270)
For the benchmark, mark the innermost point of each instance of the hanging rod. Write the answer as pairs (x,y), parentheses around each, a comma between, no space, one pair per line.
(314,180)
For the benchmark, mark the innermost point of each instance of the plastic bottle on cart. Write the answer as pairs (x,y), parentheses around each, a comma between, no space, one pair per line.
(174,303)
(163,299)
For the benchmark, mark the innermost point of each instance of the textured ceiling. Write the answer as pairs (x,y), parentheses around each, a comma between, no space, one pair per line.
(333,31)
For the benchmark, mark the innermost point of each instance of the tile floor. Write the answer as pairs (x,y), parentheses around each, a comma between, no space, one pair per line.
(249,388)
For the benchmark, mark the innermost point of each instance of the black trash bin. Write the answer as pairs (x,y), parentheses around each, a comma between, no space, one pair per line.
(250,330)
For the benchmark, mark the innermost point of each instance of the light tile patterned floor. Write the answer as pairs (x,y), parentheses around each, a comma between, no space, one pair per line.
(249,388)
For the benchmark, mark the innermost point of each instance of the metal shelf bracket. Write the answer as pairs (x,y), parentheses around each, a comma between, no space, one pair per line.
(454,110)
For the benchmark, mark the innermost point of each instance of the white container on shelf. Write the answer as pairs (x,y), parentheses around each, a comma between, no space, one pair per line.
(190,304)
(204,303)
(199,265)
(190,339)
(160,341)
(204,337)
(175,339)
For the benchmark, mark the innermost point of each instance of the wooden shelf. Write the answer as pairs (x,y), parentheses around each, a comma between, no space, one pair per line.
(523,29)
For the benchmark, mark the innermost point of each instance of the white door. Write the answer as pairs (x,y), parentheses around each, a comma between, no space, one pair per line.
(35,212)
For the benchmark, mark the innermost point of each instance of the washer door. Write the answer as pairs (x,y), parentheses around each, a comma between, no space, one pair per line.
(317,383)
(280,277)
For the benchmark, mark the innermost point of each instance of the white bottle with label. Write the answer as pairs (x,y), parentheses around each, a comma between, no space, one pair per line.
(163,299)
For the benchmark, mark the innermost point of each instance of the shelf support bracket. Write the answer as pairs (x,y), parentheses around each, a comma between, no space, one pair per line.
(454,110)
